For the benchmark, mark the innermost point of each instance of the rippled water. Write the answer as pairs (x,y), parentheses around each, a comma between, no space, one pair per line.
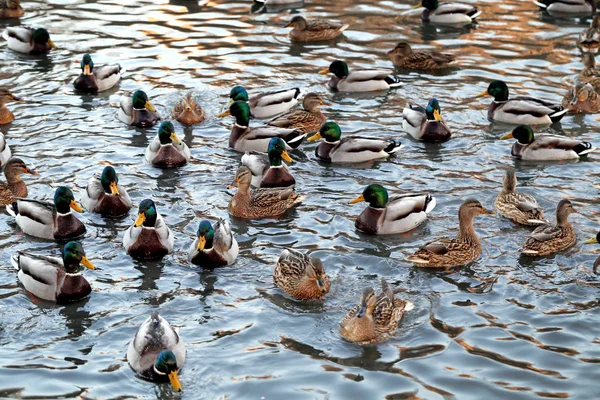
(504,327)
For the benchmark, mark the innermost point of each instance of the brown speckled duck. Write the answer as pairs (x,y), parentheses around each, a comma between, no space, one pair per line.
(582,98)
(548,239)
(589,38)
(314,30)
(521,208)
(11,9)
(308,120)
(14,186)
(6,115)
(301,276)
(188,111)
(403,56)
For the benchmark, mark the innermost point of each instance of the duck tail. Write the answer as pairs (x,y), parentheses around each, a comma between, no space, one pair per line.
(12,209)
(584,148)
(474,14)
(295,138)
(540,4)
(343,28)
(538,221)
(14,260)
(393,147)
(393,81)
(416,259)
(408,305)
(299,199)
(557,116)
(430,204)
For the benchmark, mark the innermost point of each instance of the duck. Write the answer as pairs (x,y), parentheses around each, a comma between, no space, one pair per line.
(93,80)
(267,169)
(267,104)
(548,239)
(244,139)
(568,6)
(14,187)
(520,109)
(52,278)
(589,39)
(5,152)
(300,276)
(448,13)
(594,240)
(166,150)
(582,98)
(136,110)
(11,9)
(45,220)
(589,73)
(375,316)
(214,246)
(157,353)
(425,124)
(521,208)
(314,30)
(24,39)
(366,80)
(403,56)
(545,147)
(6,115)
(447,252)
(103,195)
(308,120)
(188,111)
(149,238)
(251,203)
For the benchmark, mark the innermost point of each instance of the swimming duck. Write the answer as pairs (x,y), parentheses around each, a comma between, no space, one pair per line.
(105,196)
(213,247)
(446,252)
(14,186)
(548,239)
(6,115)
(521,208)
(46,220)
(267,104)
(375,317)
(595,239)
(188,111)
(589,38)
(267,169)
(582,98)
(448,13)
(251,203)
(157,352)
(568,6)
(520,109)
(425,124)
(308,120)
(99,79)
(11,9)
(403,56)
(545,147)
(149,238)
(24,39)
(52,278)
(366,80)
(301,276)
(136,110)
(5,152)
(589,71)
(314,30)
(166,150)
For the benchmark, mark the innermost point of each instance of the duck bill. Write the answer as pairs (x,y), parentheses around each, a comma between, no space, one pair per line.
(75,206)
(224,114)
(149,106)
(574,101)
(314,137)
(362,310)
(140,219)
(175,139)
(437,116)
(174,379)
(289,25)
(324,71)
(51,44)
(591,241)
(416,6)
(87,263)
(487,212)
(507,136)
(87,70)
(482,94)
(358,199)
(321,285)
(31,171)
(15,98)
(201,243)
(285,155)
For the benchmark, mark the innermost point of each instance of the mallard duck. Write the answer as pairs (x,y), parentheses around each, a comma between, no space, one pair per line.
(213,247)
(267,169)
(425,124)
(548,239)
(521,208)
(5,152)
(6,115)
(589,71)
(308,120)
(446,252)
(46,220)
(448,13)
(11,9)
(243,138)
(314,30)
(24,39)
(251,203)
(157,352)
(589,38)
(301,276)
(267,104)
(52,278)
(136,110)
(366,80)
(166,150)
(582,98)
(520,109)
(149,238)
(188,111)
(374,317)
(595,239)
(545,147)
(14,186)
(94,80)
(403,56)
(568,6)
(105,196)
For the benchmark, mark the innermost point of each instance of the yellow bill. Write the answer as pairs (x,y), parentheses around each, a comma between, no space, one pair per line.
(358,199)
(75,206)
(201,243)
(114,188)
(87,263)
(224,114)
(51,44)
(484,93)
(175,139)
(175,381)
(436,115)
(314,137)
(149,106)
(86,70)
(140,219)
(417,6)
(324,71)
(286,156)
(507,136)
(591,241)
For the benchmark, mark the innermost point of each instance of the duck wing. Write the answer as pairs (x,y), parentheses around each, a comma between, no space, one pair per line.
(545,142)
(367,75)
(107,71)
(22,34)
(271,98)
(322,24)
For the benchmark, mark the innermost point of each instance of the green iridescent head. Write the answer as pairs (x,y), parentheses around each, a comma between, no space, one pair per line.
(338,68)
(110,180)
(146,214)
(498,90)
(523,133)
(41,36)
(277,151)
(430,4)
(87,65)
(330,131)
(238,93)
(166,133)
(64,201)
(375,195)
(166,364)
(73,256)
(140,101)
(433,110)
(205,234)
(241,111)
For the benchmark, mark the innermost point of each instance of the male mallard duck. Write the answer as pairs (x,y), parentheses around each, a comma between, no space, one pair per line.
(136,110)
(374,317)
(308,120)
(157,352)
(595,239)
(53,279)
(366,80)
(267,104)
(396,214)
(448,13)
(24,39)
(46,220)
(589,38)
(545,147)
(548,239)
(149,238)
(520,109)
(243,138)
(521,208)
(314,30)
(166,150)
(6,115)
(11,9)
(589,71)
(5,152)
(425,124)
(14,186)
(251,203)
(446,252)
(301,276)
(105,196)
(213,247)
(267,170)
(188,111)
(403,56)
(94,80)
(582,98)
(568,6)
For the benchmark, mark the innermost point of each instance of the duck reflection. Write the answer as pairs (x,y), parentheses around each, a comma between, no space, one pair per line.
(430,32)
(261,7)
(77,318)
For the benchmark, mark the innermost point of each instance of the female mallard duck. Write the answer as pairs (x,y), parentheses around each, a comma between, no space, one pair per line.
(267,104)
(149,238)
(301,276)
(520,109)
(243,138)
(521,208)
(589,38)
(105,196)
(46,220)
(403,56)
(582,98)
(568,6)
(374,317)
(366,80)
(589,71)
(213,247)
(251,203)
(11,9)
(5,152)
(448,13)
(24,39)
(157,352)
(548,239)
(308,120)
(93,80)
(188,111)
(167,150)
(425,124)
(14,186)
(446,252)
(136,110)
(595,239)
(6,115)
(545,147)
(396,214)
(53,279)
(314,30)
(267,170)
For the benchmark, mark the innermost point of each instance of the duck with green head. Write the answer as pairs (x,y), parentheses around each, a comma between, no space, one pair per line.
(366,80)
(166,150)
(14,187)
(545,147)
(214,246)
(266,104)
(561,7)
(105,196)
(595,240)
(548,239)
(6,115)
(268,171)
(425,124)
(24,39)
(136,110)
(96,79)
(11,9)
(149,238)
(301,276)
(448,13)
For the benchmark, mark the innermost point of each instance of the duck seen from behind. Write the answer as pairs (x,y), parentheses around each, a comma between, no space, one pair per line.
(103,195)
(367,80)
(93,80)
(14,187)
(425,124)
(166,150)
(136,110)
(214,246)
(589,39)
(266,104)
(300,276)
(521,208)
(548,239)
(149,238)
